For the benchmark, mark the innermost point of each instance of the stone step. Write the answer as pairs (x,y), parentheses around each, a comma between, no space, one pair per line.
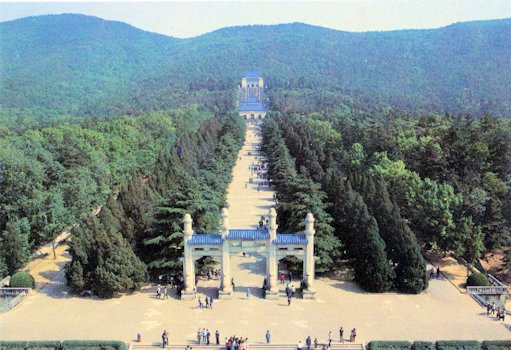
(334,346)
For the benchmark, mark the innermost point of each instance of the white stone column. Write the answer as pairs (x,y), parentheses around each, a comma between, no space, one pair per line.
(188,265)
(225,284)
(271,262)
(308,271)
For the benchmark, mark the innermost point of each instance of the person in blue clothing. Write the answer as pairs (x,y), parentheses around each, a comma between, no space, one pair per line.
(308,342)
(268,337)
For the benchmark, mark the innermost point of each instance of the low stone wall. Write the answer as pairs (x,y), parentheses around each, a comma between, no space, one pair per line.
(10,297)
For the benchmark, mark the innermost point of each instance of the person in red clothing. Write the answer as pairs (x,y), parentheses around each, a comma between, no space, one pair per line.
(282,278)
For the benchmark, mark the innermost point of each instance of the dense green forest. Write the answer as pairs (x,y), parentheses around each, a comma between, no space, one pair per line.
(385,189)
(108,68)
(54,177)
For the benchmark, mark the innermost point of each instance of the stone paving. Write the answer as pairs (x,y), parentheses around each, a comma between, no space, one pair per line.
(441,312)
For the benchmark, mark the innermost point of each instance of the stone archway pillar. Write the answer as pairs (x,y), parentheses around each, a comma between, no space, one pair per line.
(308,271)
(271,262)
(188,266)
(225,291)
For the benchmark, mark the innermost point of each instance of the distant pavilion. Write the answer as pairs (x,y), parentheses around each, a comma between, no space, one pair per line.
(251,96)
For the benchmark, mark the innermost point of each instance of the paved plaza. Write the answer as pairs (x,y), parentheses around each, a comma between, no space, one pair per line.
(442,312)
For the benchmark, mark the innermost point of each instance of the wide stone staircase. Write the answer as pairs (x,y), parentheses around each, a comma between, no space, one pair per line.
(334,346)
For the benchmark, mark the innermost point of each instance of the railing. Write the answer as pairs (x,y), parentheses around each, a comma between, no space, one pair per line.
(485,303)
(487,290)
(494,281)
(10,297)
(13,291)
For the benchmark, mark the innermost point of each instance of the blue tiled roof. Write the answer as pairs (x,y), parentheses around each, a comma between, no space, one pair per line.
(205,239)
(252,99)
(290,238)
(252,74)
(248,235)
(251,107)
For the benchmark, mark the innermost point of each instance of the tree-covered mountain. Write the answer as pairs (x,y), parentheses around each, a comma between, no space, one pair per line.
(84,65)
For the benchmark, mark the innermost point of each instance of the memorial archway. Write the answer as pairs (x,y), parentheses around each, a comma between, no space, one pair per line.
(265,241)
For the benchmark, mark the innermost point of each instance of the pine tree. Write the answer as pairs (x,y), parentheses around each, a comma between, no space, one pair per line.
(103,261)
(366,247)
(402,247)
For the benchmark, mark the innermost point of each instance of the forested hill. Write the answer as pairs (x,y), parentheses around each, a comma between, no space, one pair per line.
(88,66)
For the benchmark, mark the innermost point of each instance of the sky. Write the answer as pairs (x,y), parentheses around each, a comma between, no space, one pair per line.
(190,18)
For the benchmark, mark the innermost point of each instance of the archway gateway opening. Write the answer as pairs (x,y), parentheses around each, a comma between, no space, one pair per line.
(264,241)
(207,276)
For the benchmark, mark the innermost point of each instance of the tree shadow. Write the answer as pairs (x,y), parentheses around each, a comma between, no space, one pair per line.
(208,291)
(255,292)
(52,274)
(350,287)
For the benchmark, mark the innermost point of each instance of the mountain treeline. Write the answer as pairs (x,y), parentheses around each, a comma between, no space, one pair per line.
(54,177)
(391,188)
(138,232)
(84,66)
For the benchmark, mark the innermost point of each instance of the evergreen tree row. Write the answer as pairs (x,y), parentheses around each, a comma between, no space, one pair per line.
(368,225)
(143,220)
(297,195)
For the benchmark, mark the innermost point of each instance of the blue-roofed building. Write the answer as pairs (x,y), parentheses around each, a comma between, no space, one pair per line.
(251,96)
(252,74)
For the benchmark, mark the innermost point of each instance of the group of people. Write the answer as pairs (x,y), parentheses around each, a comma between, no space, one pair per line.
(213,274)
(309,343)
(235,343)
(162,292)
(208,302)
(167,284)
(498,311)
(204,336)
(240,343)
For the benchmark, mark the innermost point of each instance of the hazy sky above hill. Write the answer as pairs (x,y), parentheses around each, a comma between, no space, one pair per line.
(186,19)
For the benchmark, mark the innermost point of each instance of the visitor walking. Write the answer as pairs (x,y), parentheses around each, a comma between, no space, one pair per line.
(341,334)
(282,278)
(353,335)
(299,346)
(293,291)
(217,337)
(315,343)
(248,293)
(208,336)
(268,337)
(164,339)
(211,301)
(329,338)
(199,336)
(200,303)
(288,301)
(206,301)
(232,284)
(308,342)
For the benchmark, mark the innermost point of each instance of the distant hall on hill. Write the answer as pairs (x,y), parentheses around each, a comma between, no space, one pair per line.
(251,96)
